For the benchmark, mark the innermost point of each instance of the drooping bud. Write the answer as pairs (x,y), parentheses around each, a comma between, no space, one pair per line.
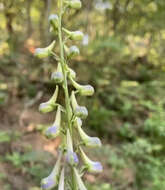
(72,73)
(57,76)
(61,182)
(54,21)
(79,111)
(49,105)
(87,140)
(84,90)
(74,35)
(79,180)
(71,156)
(44,52)
(75,4)
(54,130)
(92,166)
(52,180)
(73,51)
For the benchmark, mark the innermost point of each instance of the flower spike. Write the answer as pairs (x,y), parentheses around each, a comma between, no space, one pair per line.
(54,130)
(44,52)
(51,104)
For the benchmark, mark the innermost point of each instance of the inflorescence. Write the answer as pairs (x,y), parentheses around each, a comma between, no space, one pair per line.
(73,137)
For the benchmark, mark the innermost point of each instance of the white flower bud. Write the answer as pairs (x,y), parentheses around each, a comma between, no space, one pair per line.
(71,156)
(84,90)
(54,21)
(73,51)
(57,76)
(44,52)
(54,130)
(79,111)
(72,73)
(92,166)
(87,140)
(49,105)
(75,4)
(74,35)
(52,180)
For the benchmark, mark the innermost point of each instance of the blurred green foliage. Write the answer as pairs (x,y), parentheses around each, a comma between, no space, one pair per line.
(124,60)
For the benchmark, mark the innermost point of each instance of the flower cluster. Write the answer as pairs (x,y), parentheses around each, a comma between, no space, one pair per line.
(73,137)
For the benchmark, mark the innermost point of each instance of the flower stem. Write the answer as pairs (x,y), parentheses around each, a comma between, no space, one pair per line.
(63,65)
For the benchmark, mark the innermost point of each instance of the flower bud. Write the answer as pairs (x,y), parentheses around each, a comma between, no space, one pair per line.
(71,156)
(84,90)
(54,130)
(52,180)
(75,4)
(72,73)
(54,21)
(79,180)
(44,52)
(73,51)
(57,76)
(87,140)
(79,111)
(61,182)
(92,166)
(49,105)
(74,35)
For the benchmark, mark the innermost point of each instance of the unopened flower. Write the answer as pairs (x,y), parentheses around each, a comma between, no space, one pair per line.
(49,105)
(87,140)
(79,180)
(74,35)
(73,51)
(57,76)
(44,52)
(52,180)
(61,181)
(79,111)
(92,166)
(54,130)
(84,90)
(54,21)
(75,4)
(71,156)
(71,72)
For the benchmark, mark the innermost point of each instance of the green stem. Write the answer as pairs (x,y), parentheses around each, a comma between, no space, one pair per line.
(63,65)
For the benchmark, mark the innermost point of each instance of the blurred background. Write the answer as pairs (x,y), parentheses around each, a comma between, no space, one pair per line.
(122,56)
